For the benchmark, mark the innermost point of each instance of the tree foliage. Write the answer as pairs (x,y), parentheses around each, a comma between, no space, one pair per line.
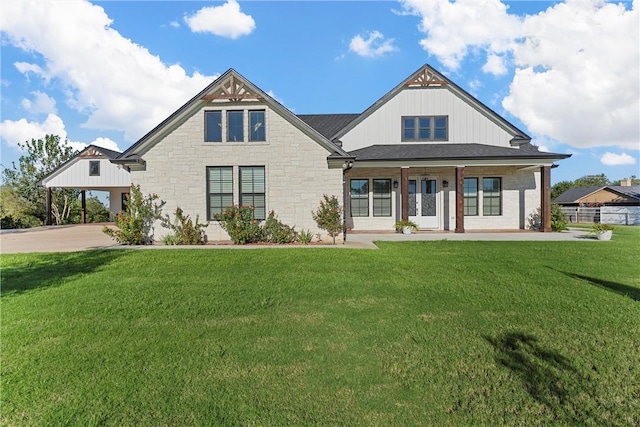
(599,180)
(328,216)
(41,157)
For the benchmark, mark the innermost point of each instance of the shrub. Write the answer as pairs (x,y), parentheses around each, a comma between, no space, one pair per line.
(274,231)
(185,232)
(558,219)
(328,216)
(402,224)
(134,224)
(239,223)
(305,237)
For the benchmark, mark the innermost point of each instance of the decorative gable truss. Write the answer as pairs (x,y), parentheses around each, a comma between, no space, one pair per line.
(233,90)
(424,78)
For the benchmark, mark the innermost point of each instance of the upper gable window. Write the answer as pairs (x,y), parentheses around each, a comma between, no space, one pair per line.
(94,168)
(213,126)
(235,126)
(425,128)
(257,126)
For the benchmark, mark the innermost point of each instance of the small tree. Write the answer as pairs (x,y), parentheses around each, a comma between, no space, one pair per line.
(328,216)
(134,224)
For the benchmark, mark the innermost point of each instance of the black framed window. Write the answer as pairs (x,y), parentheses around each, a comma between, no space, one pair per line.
(219,190)
(359,192)
(94,167)
(235,126)
(491,196)
(252,190)
(425,128)
(257,127)
(381,197)
(470,196)
(213,126)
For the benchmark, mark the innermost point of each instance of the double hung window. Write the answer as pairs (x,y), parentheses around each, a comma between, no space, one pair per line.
(470,196)
(491,196)
(252,190)
(219,189)
(359,197)
(381,197)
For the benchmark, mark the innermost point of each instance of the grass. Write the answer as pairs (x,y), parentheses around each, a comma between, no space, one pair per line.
(416,333)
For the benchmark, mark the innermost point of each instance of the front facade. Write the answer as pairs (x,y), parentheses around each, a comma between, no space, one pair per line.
(427,151)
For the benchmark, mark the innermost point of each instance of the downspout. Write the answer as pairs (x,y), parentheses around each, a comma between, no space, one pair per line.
(346,167)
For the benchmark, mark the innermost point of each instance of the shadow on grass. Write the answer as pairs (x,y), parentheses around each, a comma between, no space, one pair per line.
(619,288)
(37,271)
(547,375)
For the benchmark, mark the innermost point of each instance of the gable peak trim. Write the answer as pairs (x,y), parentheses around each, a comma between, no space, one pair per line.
(425,78)
(232,89)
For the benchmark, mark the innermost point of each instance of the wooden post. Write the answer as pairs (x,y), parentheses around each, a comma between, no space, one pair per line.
(83,197)
(404,192)
(48,207)
(545,199)
(459,199)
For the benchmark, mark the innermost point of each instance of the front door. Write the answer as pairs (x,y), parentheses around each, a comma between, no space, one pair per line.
(423,202)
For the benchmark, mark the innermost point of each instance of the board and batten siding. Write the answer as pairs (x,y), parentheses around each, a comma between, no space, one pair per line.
(466,123)
(296,170)
(76,175)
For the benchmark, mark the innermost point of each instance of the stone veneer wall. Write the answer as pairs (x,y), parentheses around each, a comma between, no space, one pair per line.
(296,170)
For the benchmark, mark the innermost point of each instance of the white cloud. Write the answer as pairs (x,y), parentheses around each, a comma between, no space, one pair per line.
(118,84)
(612,159)
(19,131)
(41,104)
(174,24)
(374,45)
(225,21)
(577,63)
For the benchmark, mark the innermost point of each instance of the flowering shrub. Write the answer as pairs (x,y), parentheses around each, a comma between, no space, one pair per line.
(240,225)
(185,232)
(134,224)
(276,232)
(328,216)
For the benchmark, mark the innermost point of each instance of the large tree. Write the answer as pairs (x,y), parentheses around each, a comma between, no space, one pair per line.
(41,157)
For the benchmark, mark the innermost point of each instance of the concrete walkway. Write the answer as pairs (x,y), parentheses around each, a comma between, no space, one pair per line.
(80,237)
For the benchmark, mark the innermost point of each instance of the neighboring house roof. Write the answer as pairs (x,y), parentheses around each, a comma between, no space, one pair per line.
(91,151)
(447,152)
(327,124)
(632,191)
(573,195)
(576,194)
(428,76)
(134,154)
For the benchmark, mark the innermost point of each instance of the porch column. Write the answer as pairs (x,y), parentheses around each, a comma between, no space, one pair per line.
(404,192)
(83,198)
(545,198)
(459,199)
(48,203)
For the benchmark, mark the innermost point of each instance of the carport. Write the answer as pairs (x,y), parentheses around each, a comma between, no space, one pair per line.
(90,169)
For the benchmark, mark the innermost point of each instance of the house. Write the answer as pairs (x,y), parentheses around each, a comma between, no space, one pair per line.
(91,169)
(426,151)
(593,196)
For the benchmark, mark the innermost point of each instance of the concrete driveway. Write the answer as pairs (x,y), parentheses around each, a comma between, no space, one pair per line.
(55,238)
(79,237)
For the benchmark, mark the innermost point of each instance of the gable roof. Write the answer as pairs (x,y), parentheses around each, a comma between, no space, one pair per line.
(455,151)
(575,194)
(217,90)
(91,151)
(427,76)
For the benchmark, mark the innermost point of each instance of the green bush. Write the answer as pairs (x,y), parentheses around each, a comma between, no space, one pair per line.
(240,225)
(185,232)
(328,216)
(305,237)
(558,219)
(273,231)
(134,224)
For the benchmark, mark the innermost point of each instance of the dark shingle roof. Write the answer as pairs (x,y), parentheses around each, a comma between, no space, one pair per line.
(573,195)
(632,191)
(447,152)
(327,124)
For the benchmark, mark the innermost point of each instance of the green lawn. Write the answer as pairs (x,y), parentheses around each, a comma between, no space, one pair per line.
(416,333)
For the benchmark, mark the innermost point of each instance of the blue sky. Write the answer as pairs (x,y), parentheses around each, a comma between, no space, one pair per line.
(568,73)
